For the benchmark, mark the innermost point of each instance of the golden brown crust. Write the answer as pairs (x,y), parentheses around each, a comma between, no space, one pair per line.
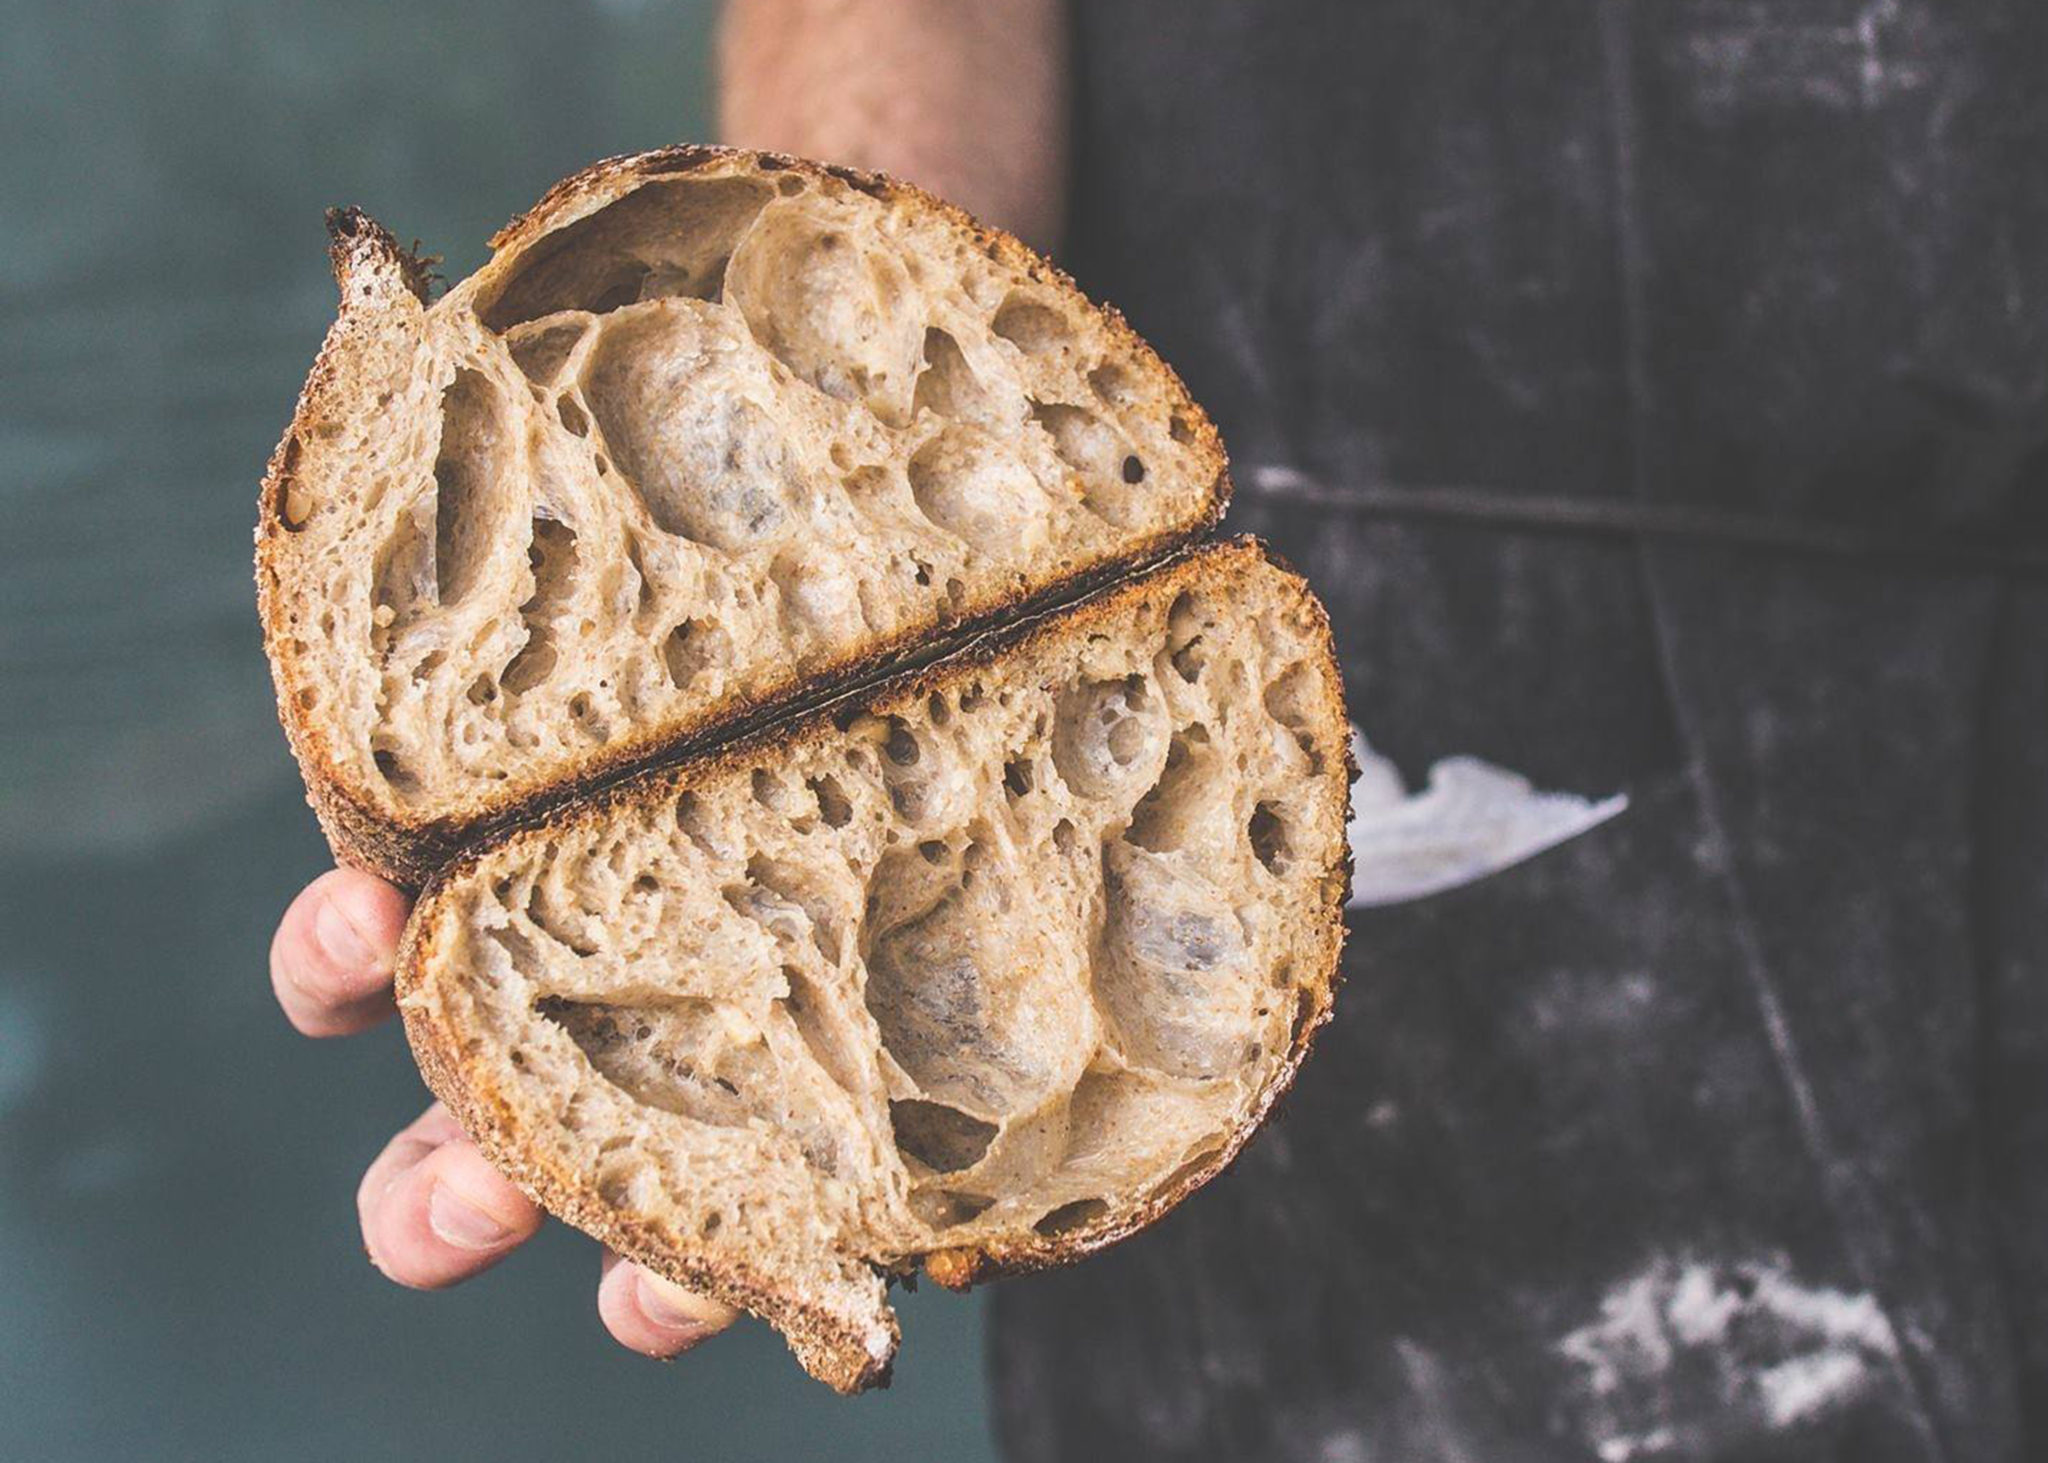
(826,1350)
(406,849)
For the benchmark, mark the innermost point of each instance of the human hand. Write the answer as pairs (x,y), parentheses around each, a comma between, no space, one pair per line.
(433,1210)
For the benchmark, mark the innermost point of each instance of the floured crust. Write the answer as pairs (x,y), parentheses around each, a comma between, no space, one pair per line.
(377,278)
(849,1353)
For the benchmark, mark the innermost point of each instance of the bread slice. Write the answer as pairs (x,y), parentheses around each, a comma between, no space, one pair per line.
(980,970)
(711,430)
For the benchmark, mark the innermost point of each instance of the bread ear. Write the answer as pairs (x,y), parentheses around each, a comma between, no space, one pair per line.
(369,354)
(369,261)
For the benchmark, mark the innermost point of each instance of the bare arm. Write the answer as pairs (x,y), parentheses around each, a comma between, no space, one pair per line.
(965,97)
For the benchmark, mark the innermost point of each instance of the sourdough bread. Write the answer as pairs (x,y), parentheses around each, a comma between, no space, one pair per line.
(712,430)
(979,971)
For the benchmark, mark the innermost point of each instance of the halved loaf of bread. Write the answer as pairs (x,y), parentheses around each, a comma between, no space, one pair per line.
(980,970)
(710,429)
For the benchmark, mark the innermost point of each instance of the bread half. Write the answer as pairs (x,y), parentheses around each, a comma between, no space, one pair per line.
(978,972)
(711,430)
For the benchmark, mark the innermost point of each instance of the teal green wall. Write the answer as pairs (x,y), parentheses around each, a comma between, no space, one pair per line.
(180,1275)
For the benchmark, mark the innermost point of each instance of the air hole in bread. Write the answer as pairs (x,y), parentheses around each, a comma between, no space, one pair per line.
(696,825)
(644,597)
(1017,777)
(1182,428)
(394,771)
(1268,832)
(831,300)
(1175,968)
(551,557)
(294,503)
(403,584)
(471,474)
(572,415)
(833,805)
(936,708)
(943,1139)
(1032,327)
(946,1208)
(972,999)
(1171,1186)
(1078,1214)
(564,926)
(1108,735)
(827,1040)
(1188,807)
(533,663)
(1113,384)
(767,789)
(693,1060)
(691,647)
(783,899)
(1292,699)
(1184,626)
(541,352)
(1289,696)
(1100,456)
(710,465)
(1063,835)
(901,747)
(948,386)
(667,239)
(974,484)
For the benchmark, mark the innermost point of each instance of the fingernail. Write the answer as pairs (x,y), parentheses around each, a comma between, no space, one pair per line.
(341,941)
(672,1308)
(461,1224)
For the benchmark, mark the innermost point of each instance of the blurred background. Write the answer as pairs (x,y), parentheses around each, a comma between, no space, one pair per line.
(180,1273)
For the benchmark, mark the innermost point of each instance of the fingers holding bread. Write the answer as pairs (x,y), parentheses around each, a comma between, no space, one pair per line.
(654,1316)
(433,1210)
(334,951)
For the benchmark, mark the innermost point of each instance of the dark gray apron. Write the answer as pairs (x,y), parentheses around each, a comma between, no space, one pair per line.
(1657,395)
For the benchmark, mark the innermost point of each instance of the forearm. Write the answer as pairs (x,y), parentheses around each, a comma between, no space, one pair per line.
(965,97)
